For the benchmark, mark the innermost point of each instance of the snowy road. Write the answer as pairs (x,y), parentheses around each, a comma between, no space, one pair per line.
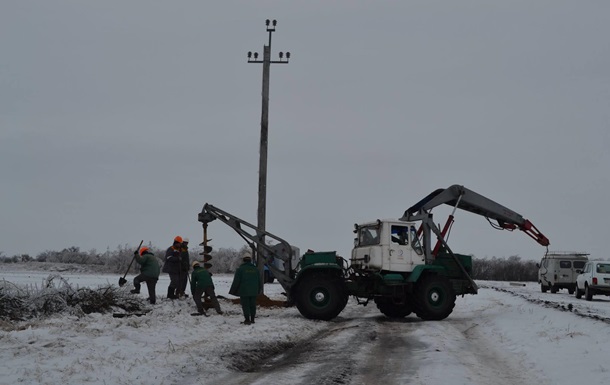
(504,335)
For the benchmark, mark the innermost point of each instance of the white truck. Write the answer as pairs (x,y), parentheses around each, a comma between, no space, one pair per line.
(403,265)
(559,269)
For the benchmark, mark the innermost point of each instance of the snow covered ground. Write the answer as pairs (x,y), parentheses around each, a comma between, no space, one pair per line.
(504,335)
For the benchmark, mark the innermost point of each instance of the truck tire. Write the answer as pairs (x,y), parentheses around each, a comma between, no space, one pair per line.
(554,289)
(543,288)
(392,310)
(433,298)
(320,297)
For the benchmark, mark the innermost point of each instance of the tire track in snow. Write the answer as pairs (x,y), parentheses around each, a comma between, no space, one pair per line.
(325,358)
(410,351)
(590,314)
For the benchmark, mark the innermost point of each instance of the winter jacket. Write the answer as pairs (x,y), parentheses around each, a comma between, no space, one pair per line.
(172,261)
(246,282)
(185,262)
(149,266)
(200,279)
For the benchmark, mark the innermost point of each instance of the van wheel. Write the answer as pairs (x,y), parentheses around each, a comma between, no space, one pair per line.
(570,291)
(543,288)
(588,293)
(577,293)
(553,289)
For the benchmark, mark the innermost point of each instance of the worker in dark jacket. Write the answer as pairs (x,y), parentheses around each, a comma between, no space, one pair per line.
(149,273)
(185,265)
(172,266)
(247,284)
(201,283)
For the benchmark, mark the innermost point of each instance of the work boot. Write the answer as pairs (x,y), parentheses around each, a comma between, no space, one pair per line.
(246,322)
(251,319)
(171,293)
(135,291)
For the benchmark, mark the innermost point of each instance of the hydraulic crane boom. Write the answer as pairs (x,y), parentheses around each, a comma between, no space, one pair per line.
(462,198)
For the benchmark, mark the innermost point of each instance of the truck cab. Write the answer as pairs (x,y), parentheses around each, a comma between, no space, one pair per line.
(558,270)
(387,245)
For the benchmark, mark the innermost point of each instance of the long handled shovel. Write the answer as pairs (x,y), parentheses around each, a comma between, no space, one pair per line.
(122,280)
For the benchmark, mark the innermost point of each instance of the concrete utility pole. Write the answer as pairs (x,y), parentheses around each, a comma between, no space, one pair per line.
(262,168)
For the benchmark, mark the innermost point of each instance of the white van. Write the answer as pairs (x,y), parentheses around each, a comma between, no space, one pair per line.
(558,270)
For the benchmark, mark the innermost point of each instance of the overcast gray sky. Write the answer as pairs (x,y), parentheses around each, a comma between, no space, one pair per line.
(120,119)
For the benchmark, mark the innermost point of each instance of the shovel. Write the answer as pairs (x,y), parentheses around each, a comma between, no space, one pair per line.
(122,280)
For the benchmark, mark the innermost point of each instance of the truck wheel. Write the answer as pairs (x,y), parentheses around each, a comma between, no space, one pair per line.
(392,310)
(321,298)
(553,289)
(434,298)
(588,293)
(571,290)
(543,288)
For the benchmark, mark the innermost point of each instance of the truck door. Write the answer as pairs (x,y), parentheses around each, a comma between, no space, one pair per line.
(404,251)
(367,251)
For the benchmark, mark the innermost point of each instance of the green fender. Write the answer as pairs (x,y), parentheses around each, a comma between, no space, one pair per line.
(318,267)
(419,269)
(309,271)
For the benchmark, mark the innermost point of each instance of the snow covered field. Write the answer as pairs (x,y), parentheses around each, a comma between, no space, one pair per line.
(504,335)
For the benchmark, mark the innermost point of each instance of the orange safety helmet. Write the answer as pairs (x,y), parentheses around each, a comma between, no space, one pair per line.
(143,249)
(178,239)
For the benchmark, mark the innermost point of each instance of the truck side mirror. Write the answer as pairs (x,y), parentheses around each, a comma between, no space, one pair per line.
(578,271)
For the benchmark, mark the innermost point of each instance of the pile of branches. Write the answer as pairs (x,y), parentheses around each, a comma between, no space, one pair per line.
(57,296)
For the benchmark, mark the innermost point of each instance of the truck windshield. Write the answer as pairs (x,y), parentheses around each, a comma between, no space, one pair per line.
(415,241)
(368,236)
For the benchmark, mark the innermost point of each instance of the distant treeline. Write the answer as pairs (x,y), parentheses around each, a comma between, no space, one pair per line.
(504,269)
(226,260)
